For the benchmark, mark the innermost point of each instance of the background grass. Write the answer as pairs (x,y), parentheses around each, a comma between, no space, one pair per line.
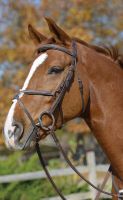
(36,189)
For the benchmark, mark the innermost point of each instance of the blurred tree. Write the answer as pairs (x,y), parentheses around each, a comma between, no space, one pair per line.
(93,21)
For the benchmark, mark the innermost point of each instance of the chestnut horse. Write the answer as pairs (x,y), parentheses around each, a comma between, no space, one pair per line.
(101,73)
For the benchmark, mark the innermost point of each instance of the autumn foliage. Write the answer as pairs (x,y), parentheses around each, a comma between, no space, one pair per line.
(98,21)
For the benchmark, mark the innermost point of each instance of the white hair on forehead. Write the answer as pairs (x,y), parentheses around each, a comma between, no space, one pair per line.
(8,127)
(37,62)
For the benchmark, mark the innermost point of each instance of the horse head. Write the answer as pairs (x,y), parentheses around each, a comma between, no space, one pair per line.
(52,84)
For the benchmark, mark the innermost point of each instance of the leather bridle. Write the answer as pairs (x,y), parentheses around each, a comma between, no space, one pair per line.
(58,95)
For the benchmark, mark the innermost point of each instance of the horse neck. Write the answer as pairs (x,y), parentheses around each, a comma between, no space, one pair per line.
(105,111)
(105,81)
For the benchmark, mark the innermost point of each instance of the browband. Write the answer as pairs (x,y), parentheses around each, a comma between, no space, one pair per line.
(46,47)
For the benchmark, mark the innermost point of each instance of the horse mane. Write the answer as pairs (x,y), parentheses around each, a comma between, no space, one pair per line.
(110,51)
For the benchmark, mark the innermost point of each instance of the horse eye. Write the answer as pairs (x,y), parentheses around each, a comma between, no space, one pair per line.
(55,70)
(38,51)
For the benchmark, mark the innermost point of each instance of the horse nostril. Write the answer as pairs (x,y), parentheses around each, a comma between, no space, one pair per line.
(18,131)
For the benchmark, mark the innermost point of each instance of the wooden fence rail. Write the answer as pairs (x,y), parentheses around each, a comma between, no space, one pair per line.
(91,169)
(54,173)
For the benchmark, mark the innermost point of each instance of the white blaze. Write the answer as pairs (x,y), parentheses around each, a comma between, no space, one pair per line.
(8,128)
(35,65)
(8,124)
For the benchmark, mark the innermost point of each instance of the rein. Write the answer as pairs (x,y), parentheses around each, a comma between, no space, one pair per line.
(56,106)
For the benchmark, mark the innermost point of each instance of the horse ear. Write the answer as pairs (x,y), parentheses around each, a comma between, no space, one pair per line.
(35,35)
(58,34)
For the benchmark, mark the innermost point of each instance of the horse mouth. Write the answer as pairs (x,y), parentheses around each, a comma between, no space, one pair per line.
(25,142)
(30,138)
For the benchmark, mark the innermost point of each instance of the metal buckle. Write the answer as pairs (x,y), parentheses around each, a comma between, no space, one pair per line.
(51,116)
